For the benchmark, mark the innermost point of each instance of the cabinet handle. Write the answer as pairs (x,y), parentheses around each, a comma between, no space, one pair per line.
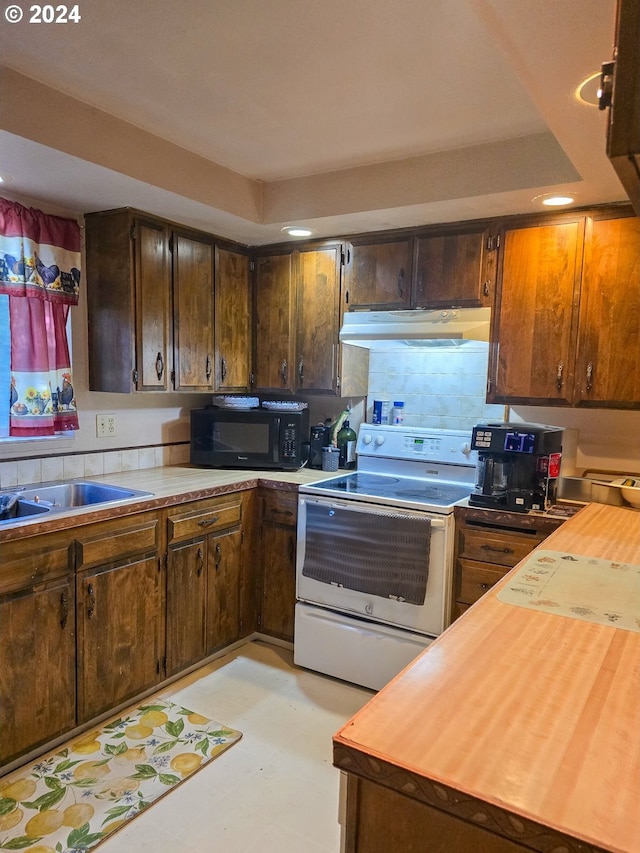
(485,288)
(159,365)
(292,549)
(559,375)
(497,550)
(207,522)
(223,369)
(283,370)
(208,367)
(301,370)
(590,376)
(200,562)
(401,282)
(64,610)
(218,558)
(92,601)
(277,511)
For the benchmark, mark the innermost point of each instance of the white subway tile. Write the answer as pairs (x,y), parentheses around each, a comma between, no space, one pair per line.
(52,468)
(73,467)
(113,462)
(130,460)
(8,475)
(29,471)
(93,464)
(146,457)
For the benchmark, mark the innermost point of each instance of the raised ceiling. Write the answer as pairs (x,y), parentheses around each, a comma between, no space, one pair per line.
(240,116)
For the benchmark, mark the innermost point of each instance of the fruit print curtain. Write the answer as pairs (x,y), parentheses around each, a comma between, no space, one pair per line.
(40,273)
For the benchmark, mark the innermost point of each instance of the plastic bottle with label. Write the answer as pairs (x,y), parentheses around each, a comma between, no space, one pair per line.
(398,413)
(346,441)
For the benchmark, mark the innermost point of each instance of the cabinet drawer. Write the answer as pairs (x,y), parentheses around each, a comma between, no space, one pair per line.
(34,560)
(502,547)
(476,579)
(202,519)
(105,543)
(280,508)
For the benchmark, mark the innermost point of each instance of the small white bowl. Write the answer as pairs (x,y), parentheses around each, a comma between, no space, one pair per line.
(630,493)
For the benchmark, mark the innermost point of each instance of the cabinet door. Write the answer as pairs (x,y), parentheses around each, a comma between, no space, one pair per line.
(318,301)
(274,354)
(379,274)
(278,598)
(455,269)
(232,322)
(536,314)
(608,365)
(224,579)
(186,585)
(153,304)
(120,633)
(37,666)
(193,312)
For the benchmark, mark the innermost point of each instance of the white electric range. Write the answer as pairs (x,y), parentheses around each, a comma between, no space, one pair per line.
(374,563)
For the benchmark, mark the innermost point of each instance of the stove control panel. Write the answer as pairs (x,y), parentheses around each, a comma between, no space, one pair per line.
(416,443)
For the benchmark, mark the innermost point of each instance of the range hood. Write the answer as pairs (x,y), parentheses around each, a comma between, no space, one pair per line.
(374,329)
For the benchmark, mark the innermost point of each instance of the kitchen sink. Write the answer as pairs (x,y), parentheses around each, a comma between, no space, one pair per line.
(22,509)
(56,497)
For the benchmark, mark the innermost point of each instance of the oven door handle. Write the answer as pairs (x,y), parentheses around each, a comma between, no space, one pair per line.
(437,522)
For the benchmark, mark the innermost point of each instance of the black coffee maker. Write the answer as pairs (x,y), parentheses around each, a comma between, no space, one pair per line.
(518,466)
(318,439)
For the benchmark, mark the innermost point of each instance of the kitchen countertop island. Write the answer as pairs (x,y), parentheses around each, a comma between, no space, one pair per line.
(515,730)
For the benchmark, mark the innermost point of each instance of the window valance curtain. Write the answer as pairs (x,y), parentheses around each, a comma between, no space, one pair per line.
(40,275)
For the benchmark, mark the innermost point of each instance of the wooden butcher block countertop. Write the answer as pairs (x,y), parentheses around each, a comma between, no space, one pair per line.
(526,722)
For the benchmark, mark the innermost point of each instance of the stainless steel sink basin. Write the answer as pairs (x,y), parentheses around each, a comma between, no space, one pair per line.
(23,509)
(56,497)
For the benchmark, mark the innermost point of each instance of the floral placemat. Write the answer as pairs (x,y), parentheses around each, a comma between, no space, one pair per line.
(74,798)
(602,591)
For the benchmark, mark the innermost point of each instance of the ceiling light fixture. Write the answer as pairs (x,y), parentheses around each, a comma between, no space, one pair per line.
(554,199)
(588,92)
(296,231)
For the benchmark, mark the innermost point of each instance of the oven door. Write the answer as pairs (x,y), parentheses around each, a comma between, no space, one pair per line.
(381,563)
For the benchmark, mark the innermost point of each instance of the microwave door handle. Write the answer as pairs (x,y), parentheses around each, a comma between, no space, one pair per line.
(275,450)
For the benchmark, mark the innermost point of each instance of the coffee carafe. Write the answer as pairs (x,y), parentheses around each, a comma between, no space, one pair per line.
(518,466)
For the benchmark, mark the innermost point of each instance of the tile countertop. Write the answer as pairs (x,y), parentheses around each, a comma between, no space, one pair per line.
(168,485)
(525,720)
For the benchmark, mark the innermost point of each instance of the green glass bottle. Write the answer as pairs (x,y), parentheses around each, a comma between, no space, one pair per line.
(346,441)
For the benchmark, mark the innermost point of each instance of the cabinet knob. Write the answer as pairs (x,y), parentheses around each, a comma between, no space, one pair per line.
(559,375)
(590,376)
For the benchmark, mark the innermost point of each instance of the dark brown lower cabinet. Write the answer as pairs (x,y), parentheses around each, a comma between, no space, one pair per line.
(224,587)
(120,633)
(277,557)
(37,666)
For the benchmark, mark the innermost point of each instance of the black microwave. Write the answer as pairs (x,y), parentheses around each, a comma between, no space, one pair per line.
(248,438)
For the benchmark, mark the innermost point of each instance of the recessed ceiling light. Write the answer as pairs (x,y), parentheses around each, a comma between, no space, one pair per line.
(588,92)
(554,199)
(296,231)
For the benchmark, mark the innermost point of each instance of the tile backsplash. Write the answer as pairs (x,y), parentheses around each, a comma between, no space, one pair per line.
(442,386)
(20,472)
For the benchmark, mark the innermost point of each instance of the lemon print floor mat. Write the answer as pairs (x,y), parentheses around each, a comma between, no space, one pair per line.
(73,799)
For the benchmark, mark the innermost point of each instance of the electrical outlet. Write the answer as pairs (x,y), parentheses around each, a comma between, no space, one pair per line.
(105,426)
